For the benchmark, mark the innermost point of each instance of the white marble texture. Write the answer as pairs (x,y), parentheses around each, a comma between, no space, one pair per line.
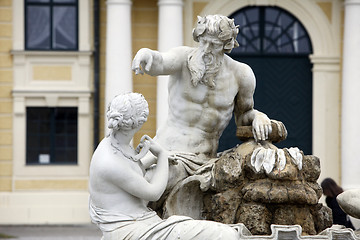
(349,201)
(205,86)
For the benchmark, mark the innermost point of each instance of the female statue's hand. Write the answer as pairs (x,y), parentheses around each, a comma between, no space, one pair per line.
(154,147)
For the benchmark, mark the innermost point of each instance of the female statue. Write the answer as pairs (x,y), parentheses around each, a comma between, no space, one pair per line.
(119,192)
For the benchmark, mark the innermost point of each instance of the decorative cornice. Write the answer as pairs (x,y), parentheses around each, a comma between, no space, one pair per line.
(40,93)
(325,63)
(51,53)
(324,59)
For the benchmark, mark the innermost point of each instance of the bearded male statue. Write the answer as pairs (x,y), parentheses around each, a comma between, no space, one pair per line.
(205,87)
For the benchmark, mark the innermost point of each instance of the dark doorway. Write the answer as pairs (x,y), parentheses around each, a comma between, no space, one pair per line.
(276,46)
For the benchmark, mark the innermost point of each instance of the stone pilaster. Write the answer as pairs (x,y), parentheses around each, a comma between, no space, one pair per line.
(170,34)
(118,49)
(350,119)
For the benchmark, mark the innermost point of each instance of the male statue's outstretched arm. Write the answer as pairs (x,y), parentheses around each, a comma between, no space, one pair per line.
(156,63)
(245,114)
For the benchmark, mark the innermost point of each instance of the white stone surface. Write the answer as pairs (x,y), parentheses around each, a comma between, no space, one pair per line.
(118,49)
(267,159)
(169,36)
(119,192)
(281,159)
(349,201)
(350,131)
(296,156)
(203,84)
(263,158)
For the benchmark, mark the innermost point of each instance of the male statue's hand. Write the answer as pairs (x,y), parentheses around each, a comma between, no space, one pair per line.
(142,61)
(261,127)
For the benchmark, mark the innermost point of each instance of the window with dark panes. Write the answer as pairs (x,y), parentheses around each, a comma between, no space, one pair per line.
(51,24)
(51,135)
(270,30)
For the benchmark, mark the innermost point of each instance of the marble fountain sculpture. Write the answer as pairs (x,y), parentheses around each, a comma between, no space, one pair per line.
(253,191)
(349,201)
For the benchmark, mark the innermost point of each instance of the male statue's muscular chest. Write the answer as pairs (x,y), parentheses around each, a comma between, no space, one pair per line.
(221,97)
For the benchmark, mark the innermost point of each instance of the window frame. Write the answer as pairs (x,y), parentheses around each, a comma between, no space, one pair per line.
(260,24)
(52,135)
(73,92)
(79,99)
(51,4)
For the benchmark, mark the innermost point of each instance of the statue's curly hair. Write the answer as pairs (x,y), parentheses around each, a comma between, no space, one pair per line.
(127,111)
(219,26)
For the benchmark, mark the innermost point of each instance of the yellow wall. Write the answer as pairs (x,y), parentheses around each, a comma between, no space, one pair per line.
(6,82)
(327,9)
(144,34)
(51,184)
(48,73)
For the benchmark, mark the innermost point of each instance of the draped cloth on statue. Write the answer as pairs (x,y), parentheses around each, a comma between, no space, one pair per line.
(190,161)
(149,226)
(189,164)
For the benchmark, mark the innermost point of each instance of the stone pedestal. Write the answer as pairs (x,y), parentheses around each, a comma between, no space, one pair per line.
(259,199)
(255,184)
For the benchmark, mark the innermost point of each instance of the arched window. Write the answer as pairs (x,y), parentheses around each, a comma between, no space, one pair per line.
(270,30)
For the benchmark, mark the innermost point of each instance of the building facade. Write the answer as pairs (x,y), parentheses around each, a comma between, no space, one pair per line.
(61,62)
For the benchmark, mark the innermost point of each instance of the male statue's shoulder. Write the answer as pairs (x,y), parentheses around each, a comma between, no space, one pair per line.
(185,48)
(178,55)
(238,66)
(233,62)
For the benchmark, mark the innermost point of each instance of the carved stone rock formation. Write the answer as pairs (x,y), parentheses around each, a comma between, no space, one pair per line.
(286,197)
(258,185)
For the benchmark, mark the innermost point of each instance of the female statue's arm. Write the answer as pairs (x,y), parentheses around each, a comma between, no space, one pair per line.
(134,183)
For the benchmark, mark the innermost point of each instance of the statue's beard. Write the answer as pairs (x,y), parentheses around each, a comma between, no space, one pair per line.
(204,67)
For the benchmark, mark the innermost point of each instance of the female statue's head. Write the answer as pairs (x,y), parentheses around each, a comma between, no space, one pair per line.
(127,111)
